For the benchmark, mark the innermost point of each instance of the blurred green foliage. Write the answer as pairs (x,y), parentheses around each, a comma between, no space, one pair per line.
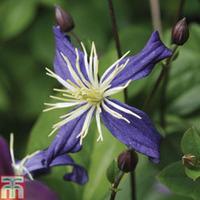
(27,47)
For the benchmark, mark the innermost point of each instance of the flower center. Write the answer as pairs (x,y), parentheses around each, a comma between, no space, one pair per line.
(91,95)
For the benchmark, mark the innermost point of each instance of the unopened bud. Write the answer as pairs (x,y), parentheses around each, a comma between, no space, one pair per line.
(127,161)
(180,32)
(64,19)
(191,161)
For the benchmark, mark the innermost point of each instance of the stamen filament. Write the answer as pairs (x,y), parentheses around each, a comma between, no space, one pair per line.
(114,113)
(116,89)
(112,66)
(71,70)
(122,108)
(60,80)
(98,121)
(12,149)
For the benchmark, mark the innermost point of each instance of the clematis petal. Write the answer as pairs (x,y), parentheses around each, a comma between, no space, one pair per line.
(66,139)
(139,134)
(5,159)
(78,174)
(36,190)
(64,47)
(142,64)
(37,165)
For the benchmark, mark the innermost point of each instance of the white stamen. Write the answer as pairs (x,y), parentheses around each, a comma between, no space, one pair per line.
(112,66)
(12,148)
(79,69)
(61,105)
(71,117)
(114,113)
(122,108)
(71,70)
(113,74)
(20,169)
(116,89)
(60,80)
(86,124)
(61,90)
(28,173)
(98,121)
(95,66)
(86,62)
(63,99)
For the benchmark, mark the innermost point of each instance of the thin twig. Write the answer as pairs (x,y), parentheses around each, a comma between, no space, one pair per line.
(155,88)
(133,185)
(159,80)
(180,10)
(114,28)
(164,89)
(155,14)
(116,37)
(115,185)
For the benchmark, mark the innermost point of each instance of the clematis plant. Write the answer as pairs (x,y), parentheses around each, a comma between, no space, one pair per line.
(90,96)
(35,164)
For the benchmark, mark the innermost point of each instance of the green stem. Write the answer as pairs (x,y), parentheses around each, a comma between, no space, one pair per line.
(164,89)
(180,10)
(159,80)
(115,185)
(114,28)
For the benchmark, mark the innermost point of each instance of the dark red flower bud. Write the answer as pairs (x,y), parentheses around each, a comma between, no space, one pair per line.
(127,161)
(191,161)
(180,32)
(64,19)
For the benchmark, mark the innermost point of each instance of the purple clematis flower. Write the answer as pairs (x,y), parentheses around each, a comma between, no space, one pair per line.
(33,189)
(36,164)
(91,96)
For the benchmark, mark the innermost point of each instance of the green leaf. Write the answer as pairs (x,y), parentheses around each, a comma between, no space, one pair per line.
(174,177)
(190,143)
(193,174)
(188,101)
(15,16)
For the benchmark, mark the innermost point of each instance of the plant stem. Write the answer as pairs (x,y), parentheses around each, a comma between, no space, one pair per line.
(114,28)
(155,13)
(133,186)
(155,88)
(115,186)
(164,89)
(116,37)
(180,10)
(159,79)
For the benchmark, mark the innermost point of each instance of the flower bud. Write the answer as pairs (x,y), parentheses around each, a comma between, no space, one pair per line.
(64,19)
(180,32)
(191,161)
(127,161)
